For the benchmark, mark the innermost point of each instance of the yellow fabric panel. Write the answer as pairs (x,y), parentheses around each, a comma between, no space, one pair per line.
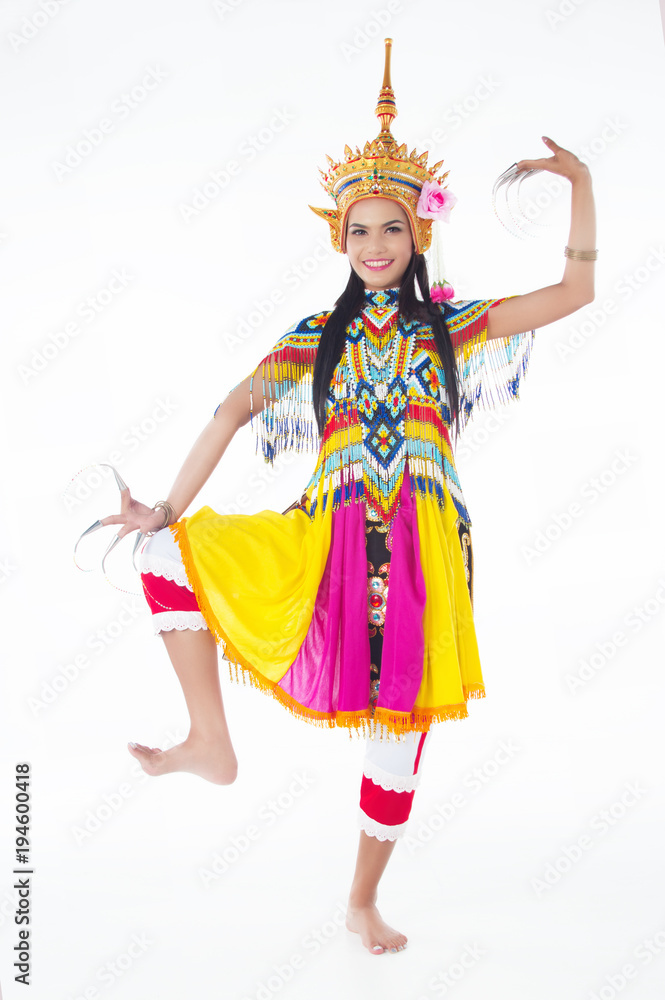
(238,557)
(452,671)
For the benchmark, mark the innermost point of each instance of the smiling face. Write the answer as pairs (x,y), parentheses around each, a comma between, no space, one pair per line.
(379,242)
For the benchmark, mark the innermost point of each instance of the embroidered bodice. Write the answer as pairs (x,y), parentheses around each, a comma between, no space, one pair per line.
(385,376)
(387,400)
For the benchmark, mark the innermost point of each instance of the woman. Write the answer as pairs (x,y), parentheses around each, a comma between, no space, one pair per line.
(300,600)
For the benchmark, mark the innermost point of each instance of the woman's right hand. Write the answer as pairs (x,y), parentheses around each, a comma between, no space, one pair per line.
(135,515)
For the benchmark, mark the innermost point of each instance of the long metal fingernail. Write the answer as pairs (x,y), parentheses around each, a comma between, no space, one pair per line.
(139,539)
(88,531)
(120,482)
(114,541)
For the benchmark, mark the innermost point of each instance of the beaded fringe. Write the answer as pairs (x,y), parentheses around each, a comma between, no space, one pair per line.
(490,371)
(362,723)
(287,421)
(490,374)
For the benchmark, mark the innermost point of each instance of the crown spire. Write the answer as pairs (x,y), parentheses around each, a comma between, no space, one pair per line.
(386,109)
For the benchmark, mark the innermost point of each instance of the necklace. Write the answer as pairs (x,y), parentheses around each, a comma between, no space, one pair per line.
(381,360)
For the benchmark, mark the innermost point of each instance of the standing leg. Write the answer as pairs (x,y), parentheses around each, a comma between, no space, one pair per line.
(390,776)
(362,914)
(208,750)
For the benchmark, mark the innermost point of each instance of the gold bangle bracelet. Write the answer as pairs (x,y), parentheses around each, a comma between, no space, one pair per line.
(580,254)
(168,511)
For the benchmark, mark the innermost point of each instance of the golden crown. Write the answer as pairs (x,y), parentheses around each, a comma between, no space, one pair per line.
(383,169)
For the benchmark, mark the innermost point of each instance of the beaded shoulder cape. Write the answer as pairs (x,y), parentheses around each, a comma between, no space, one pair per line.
(387,401)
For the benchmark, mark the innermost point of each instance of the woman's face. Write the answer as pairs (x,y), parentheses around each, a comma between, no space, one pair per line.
(379,242)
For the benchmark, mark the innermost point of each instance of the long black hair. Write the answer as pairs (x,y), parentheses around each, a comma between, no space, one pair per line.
(349,305)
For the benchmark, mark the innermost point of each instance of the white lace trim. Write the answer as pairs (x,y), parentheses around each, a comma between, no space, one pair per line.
(379,830)
(390,782)
(165,621)
(163,566)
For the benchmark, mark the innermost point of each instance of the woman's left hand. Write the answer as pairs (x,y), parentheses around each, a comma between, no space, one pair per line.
(563,162)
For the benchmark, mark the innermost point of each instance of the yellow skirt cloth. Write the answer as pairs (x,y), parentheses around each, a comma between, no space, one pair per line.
(286,595)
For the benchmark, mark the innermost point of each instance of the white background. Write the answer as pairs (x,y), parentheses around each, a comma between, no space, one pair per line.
(590,75)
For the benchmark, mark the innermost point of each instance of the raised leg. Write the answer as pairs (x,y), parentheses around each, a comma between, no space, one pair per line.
(208,750)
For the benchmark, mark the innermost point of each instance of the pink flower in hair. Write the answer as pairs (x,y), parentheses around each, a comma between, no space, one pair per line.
(435,202)
(441,292)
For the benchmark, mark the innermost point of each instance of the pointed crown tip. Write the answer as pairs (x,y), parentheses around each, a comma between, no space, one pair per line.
(386,109)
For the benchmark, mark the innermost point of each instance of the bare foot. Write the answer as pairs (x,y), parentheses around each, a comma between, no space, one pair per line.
(213,760)
(374,932)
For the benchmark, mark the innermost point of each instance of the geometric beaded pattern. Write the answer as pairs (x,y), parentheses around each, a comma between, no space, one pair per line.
(387,401)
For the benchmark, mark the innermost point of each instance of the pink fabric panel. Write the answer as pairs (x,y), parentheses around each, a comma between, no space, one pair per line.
(331,670)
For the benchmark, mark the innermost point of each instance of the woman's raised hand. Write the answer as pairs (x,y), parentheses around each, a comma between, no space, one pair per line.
(134,515)
(562,162)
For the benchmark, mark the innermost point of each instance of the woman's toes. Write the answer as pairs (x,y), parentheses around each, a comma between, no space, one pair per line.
(397,944)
